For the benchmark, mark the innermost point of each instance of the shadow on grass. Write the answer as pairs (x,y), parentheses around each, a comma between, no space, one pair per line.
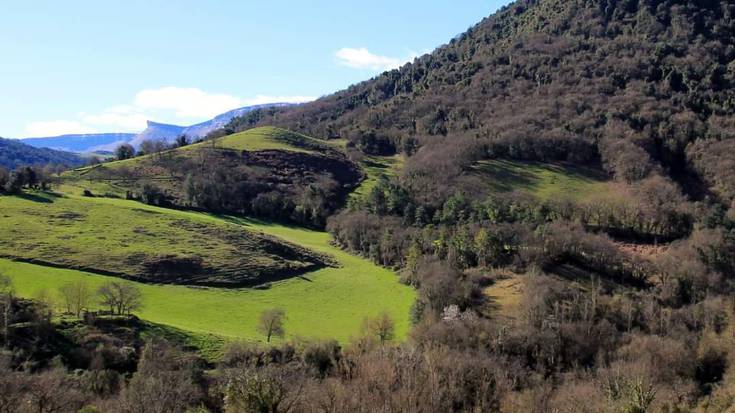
(42,198)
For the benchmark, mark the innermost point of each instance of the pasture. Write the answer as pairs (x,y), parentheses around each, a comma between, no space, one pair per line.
(327,303)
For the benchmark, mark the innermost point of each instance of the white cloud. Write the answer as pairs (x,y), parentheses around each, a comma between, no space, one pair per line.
(362,58)
(182,106)
(186,102)
(57,127)
(124,117)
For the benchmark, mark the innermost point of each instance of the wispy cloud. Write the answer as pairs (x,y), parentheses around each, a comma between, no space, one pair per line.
(362,58)
(166,104)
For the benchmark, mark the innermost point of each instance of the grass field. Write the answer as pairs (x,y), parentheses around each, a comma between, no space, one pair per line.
(115,236)
(543,180)
(327,303)
(504,296)
(265,138)
(375,167)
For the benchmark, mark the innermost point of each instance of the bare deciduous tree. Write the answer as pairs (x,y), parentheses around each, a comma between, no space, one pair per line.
(6,296)
(271,323)
(120,297)
(77,296)
(382,327)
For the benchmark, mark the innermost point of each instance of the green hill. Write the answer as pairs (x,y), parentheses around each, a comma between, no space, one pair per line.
(266,172)
(135,241)
(14,154)
(323,302)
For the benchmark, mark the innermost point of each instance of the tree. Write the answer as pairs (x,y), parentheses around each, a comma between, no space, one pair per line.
(44,304)
(182,140)
(29,177)
(190,190)
(77,296)
(271,323)
(153,146)
(4,177)
(14,183)
(120,297)
(124,151)
(6,296)
(381,327)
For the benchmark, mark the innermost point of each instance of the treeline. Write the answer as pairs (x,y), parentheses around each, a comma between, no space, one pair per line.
(40,178)
(15,154)
(652,209)
(151,147)
(304,188)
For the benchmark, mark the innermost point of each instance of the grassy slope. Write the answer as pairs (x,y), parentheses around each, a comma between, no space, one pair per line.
(114,236)
(328,303)
(265,138)
(102,179)
(375,167)
(544,181)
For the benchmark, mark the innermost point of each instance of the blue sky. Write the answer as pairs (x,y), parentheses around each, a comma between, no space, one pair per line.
(82,66)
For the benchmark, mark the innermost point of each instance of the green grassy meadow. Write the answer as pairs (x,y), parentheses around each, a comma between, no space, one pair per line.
(543,180)
(327,303)
(265,138)
(116,236)
(331,302)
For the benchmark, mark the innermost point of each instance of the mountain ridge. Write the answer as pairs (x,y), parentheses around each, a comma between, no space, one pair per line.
(107,142)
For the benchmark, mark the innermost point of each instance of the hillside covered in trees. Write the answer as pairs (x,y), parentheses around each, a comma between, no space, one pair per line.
(640,87)
(557,184)
(14,154)
(265,172)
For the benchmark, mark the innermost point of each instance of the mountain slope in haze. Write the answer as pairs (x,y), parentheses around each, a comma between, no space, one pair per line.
(166,132)
(157,131)
(83,143)
(621,83)
(202,129)
(14,153)
(80,142)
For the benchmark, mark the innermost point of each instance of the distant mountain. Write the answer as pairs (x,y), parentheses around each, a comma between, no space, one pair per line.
(105,142)
(157,131)
(14,153)
(80,142)
(202,129)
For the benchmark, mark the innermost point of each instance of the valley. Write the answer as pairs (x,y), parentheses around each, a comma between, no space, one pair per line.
(536,216)
(321,304)
(325,292)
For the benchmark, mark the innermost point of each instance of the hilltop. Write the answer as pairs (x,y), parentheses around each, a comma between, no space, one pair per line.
(268,172)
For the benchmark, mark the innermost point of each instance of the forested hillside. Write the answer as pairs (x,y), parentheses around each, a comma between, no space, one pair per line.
(14,154)
(631,84)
